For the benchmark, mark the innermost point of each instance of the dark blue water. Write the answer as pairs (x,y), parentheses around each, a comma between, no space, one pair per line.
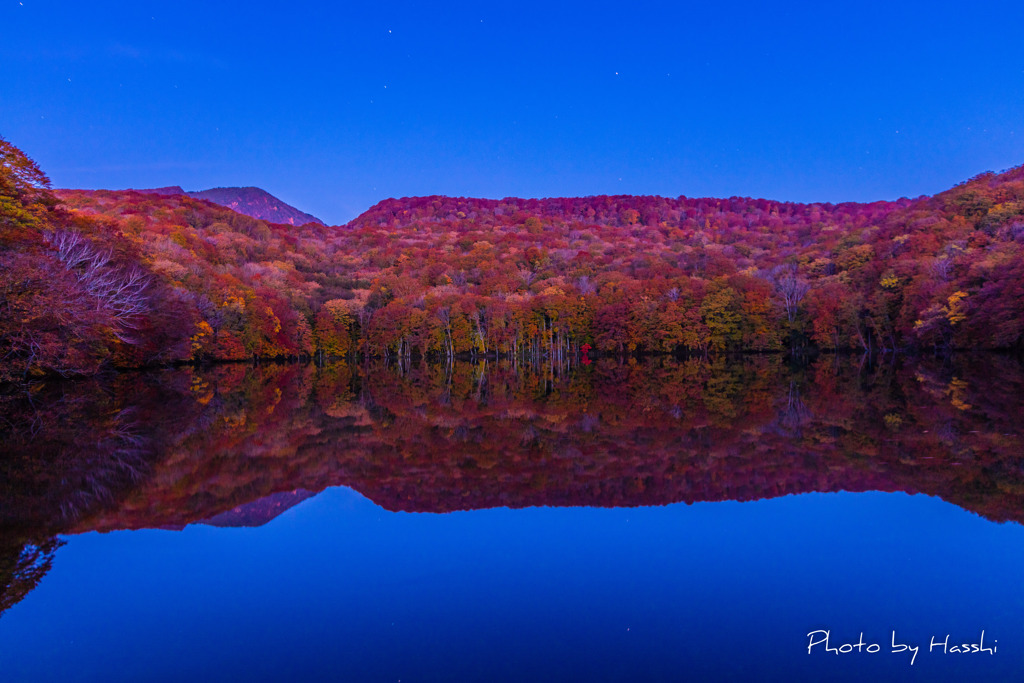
(338,589)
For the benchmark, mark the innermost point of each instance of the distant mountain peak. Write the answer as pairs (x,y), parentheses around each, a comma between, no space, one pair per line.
(258,203)
(251,201)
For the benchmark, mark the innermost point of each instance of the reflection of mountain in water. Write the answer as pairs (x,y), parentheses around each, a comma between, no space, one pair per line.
(168,449)
(259,512)
(236,446)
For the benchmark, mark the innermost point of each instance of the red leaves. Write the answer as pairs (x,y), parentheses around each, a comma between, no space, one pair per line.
(627,274)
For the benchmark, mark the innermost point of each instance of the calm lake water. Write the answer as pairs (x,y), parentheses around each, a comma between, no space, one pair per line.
(654,521)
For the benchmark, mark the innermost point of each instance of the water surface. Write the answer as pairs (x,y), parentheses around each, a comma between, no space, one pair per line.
(500,524)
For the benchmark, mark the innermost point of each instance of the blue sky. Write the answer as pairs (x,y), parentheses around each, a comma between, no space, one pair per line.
(335,106)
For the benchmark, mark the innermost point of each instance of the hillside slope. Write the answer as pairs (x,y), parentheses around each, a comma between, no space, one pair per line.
(249,201)
(94,277)
(252,201)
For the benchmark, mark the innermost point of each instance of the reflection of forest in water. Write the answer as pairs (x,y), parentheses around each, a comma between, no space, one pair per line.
(235,445)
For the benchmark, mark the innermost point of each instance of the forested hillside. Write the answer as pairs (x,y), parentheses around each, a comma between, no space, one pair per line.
(94,278)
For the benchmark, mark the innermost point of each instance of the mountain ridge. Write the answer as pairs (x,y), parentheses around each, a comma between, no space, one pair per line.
(249,201)
(132,279)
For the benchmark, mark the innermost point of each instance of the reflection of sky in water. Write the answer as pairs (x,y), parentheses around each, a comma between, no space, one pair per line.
(339,589)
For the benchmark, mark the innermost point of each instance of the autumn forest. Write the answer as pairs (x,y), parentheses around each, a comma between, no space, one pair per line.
(97,279)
